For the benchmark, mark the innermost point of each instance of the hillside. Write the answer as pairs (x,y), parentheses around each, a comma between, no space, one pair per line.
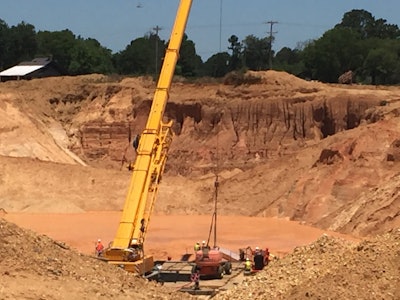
(326,155)
(285,149)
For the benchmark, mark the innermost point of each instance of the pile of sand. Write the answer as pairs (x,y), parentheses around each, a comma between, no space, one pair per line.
(36,267)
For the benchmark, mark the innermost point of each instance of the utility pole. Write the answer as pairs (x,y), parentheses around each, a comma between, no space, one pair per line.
(271,33)
(220,24)
(156,29)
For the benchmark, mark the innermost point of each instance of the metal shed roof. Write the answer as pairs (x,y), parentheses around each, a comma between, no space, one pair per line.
(20,70)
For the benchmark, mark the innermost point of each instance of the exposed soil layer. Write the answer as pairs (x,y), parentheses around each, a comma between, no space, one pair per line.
(295,159)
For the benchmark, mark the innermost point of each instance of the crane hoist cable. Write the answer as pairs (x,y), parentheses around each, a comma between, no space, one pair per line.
(213,225)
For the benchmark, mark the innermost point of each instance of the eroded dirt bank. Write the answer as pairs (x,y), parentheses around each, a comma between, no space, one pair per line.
(284,149)
(327,155)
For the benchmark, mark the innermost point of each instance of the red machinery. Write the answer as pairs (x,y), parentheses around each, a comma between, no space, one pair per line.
(259,258)
(210,262)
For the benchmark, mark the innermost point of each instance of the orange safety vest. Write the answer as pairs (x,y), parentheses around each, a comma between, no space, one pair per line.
(99,247)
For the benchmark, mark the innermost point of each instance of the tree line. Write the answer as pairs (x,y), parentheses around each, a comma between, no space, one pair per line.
(369,47)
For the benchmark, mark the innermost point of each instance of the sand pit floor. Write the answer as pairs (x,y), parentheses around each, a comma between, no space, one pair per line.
(173,236)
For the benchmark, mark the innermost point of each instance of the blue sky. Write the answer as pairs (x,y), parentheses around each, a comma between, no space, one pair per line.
(116,23)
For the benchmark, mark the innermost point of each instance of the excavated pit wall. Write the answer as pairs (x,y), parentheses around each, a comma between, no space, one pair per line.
(232,133)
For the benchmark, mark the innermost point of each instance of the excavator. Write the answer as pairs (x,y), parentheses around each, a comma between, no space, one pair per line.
(127,249)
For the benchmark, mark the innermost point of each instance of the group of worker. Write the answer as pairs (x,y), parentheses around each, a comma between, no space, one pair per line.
(260,259)
(197,246)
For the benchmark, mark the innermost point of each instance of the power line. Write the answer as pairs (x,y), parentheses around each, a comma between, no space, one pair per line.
(322,26)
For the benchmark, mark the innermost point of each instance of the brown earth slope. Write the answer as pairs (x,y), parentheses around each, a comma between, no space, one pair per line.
(326,155)
(323,155)
(35,267)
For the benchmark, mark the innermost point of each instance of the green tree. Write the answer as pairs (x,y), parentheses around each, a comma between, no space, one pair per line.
(256,52)
(22,43)
(189,62)
(337,51)
(217,65)
(385,31)
(382,62)
(235,62)
(58,45)
(364,23)
(4,44)
(137,58)
(88,56)
(289,60)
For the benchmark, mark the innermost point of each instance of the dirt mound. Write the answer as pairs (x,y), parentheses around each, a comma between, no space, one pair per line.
(329,268)
(281,80)
(37,267)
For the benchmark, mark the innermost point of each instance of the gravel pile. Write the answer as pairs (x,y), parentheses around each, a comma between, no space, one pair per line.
(329,268)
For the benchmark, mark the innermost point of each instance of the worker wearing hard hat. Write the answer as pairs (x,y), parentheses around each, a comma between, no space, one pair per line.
(203,245)
(196,247)
(134,244)
(99,248)
(247,265)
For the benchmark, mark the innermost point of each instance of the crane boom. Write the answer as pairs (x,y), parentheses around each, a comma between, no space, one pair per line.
(150,162)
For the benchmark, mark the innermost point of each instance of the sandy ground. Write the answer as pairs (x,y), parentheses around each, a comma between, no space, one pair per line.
(173,235)
(353,188)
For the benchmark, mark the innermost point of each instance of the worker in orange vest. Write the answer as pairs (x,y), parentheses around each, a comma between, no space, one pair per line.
(99,248)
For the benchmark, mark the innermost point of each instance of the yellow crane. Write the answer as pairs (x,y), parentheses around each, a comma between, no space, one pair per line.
(127,249)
